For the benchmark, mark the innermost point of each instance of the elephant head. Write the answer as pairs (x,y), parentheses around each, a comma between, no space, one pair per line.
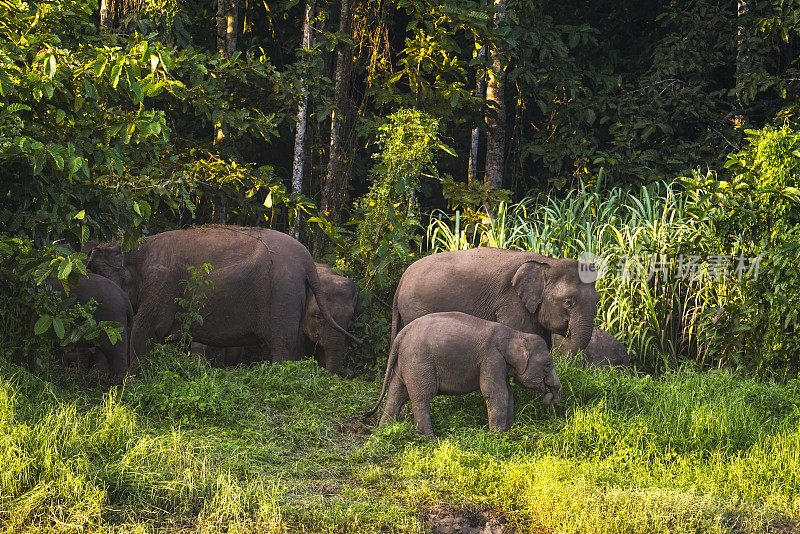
(324,342)
(532,366)
(554,292)
(110,262)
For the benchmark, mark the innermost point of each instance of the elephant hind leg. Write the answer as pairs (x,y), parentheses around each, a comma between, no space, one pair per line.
(396,398)
(422,390)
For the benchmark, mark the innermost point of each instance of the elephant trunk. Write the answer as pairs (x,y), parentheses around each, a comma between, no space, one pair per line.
(580,332)
(554,385)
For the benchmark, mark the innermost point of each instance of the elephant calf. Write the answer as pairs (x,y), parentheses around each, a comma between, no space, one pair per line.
(320,339)
(113,304)
(604,350)
(454,353)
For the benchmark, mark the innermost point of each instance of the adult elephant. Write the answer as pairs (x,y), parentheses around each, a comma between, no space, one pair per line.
(525,291)
(319,339)
(260,282)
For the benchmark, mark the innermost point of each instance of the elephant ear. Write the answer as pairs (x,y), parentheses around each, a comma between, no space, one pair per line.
(518,357)
(528,282)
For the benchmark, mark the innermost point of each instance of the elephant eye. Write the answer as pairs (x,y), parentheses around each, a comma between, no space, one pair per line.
(569,303)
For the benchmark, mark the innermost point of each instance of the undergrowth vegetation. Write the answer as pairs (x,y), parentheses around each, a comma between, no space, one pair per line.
(282,448)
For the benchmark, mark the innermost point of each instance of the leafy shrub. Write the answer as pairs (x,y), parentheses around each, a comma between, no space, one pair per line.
(386,238)
(757,213)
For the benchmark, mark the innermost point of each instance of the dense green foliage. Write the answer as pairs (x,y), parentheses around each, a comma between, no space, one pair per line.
(144,125)
(276,448)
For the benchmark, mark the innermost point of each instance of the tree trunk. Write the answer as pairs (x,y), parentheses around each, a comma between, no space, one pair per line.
(232,28)
(472,168)
(105,15)
(298,167)
(496,116)
(334,188)
(227,33)
(742,58)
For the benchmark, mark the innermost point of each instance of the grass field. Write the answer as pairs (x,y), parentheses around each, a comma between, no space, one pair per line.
(281,448)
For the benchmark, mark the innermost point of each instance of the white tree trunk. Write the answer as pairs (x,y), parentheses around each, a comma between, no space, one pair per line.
(232,27)
(496,116)
(105,23)
(227,33)
(298,166)
(472,168)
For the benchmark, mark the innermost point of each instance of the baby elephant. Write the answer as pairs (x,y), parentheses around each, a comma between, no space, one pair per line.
(604,350)
(111,359)
(454,353)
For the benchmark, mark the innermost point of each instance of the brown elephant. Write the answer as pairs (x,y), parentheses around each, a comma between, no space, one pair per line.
(110,359)
(522,290)
(320,340)
(603,350)
(454,353)
(260,278)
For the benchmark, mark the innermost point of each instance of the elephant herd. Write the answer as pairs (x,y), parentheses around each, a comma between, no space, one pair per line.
(461,321)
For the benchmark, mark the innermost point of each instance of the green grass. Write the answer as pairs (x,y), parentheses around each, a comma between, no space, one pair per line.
(281,448)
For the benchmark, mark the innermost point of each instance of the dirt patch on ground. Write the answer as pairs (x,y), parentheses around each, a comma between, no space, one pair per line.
(449,520)
(740,525)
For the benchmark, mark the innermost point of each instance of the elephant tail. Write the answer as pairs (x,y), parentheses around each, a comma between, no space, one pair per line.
(396,314)
(389,368)
(316,289)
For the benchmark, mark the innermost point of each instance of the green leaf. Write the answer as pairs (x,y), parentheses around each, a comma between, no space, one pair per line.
(64,269)
(50,66)
(75,163)
(100,65)
(42,324)
(58,327)
(116,70)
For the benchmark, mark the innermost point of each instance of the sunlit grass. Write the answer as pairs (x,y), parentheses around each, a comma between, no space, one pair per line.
(283,449)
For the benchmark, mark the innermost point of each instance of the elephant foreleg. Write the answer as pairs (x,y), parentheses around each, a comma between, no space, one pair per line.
(499,400)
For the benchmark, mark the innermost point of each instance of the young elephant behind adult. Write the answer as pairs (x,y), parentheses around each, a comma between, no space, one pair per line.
(453,353)
(113,304)
(603,350)
(319,339)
